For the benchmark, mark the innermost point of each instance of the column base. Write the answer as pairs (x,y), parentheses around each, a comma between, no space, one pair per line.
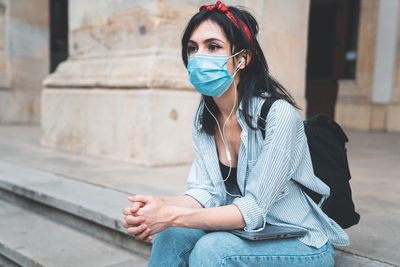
(150,127)
(363,115)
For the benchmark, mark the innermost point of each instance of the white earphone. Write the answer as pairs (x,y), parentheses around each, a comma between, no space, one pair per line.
(222,133)
(223,137)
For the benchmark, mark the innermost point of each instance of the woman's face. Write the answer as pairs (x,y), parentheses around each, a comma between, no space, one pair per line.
(209,38)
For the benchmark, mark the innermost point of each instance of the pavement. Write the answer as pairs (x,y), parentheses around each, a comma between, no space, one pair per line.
(374,159)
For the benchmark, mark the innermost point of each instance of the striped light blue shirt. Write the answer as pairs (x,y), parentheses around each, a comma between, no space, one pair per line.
(266,174)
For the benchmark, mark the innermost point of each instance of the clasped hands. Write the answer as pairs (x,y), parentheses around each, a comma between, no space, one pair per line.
(147,216)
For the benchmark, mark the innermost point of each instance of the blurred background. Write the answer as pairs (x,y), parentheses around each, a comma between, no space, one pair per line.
(94,96)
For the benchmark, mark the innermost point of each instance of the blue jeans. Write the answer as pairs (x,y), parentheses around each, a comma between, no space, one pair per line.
(178,246)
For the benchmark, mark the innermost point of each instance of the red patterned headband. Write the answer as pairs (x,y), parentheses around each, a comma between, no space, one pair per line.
(222,7)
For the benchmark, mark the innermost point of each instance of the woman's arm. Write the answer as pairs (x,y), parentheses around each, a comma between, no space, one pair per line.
(217,218)
(268,179)
(157,216)
(181,201)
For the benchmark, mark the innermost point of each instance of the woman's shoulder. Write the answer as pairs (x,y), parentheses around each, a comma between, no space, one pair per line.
(280,109)
(283,108)
(196,122)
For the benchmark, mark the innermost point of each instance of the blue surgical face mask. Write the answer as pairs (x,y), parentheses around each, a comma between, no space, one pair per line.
(209,73)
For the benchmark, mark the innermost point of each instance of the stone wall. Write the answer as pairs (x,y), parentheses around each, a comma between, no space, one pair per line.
(24,57)
(283,38)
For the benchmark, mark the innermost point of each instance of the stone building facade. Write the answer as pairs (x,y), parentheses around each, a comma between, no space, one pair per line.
(371,101)
(123,92)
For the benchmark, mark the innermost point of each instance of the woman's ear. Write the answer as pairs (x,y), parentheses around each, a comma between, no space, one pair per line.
(246,56)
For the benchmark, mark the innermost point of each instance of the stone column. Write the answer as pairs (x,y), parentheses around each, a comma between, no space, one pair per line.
(385,53)
(24,58)
(371,101)
(4,80)
(283,38)
(123,93)
(353,107)
(393,118)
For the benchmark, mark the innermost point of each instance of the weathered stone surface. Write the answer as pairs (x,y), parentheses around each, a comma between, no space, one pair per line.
(393,118)
(133,44)
(3,63)
(47,243)
(378,117)
(23,64)
(147,127)
(396,80)
(283,38)
(353,115)
(366,46)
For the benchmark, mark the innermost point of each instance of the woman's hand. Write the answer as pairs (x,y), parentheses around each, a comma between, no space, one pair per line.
(134,223)
(157,215)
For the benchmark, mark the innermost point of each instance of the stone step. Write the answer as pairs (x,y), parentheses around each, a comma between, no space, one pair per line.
(89,208)
(28,239)
(93,209)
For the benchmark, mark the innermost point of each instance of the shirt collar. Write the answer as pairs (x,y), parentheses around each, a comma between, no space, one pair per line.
(255,108)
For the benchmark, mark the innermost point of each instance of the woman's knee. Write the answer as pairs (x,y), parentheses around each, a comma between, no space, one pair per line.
(175,236)
(172,246)
(211,249)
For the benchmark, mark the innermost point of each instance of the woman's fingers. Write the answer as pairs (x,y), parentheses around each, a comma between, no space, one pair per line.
(136,230)
(143,235)
(149,238)
(140,232)
(134,208)
(133,222)
(142,198)
(134,219)
(127,211)
(124,223)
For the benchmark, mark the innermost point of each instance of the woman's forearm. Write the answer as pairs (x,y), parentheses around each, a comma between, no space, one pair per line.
(182,201)
(218,218)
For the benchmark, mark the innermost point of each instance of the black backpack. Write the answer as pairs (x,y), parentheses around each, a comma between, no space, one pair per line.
(326,141)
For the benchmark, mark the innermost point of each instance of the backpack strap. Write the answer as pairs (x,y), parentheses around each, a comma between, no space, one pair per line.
(262,119)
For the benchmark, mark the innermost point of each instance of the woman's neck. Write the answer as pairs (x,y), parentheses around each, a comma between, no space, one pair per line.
(226,101)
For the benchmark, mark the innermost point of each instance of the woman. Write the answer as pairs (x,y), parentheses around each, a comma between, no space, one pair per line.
(238,180)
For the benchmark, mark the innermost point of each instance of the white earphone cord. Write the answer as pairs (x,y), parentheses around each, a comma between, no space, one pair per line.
(223,137)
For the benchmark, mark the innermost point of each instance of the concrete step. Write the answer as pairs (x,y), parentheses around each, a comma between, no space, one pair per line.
(86,207)
(28,239)
(92,209)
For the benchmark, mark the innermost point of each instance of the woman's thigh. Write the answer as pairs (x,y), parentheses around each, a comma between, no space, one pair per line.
(225,249)
(172,246)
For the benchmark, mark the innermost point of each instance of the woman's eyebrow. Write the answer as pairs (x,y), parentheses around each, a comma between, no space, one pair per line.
(209,40)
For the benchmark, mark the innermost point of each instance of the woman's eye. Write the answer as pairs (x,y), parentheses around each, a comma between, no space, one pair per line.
(191,49)
(214,47)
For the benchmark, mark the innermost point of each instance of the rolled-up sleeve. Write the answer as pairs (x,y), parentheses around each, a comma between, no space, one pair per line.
(199,183)
(268,179)
(200,186)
